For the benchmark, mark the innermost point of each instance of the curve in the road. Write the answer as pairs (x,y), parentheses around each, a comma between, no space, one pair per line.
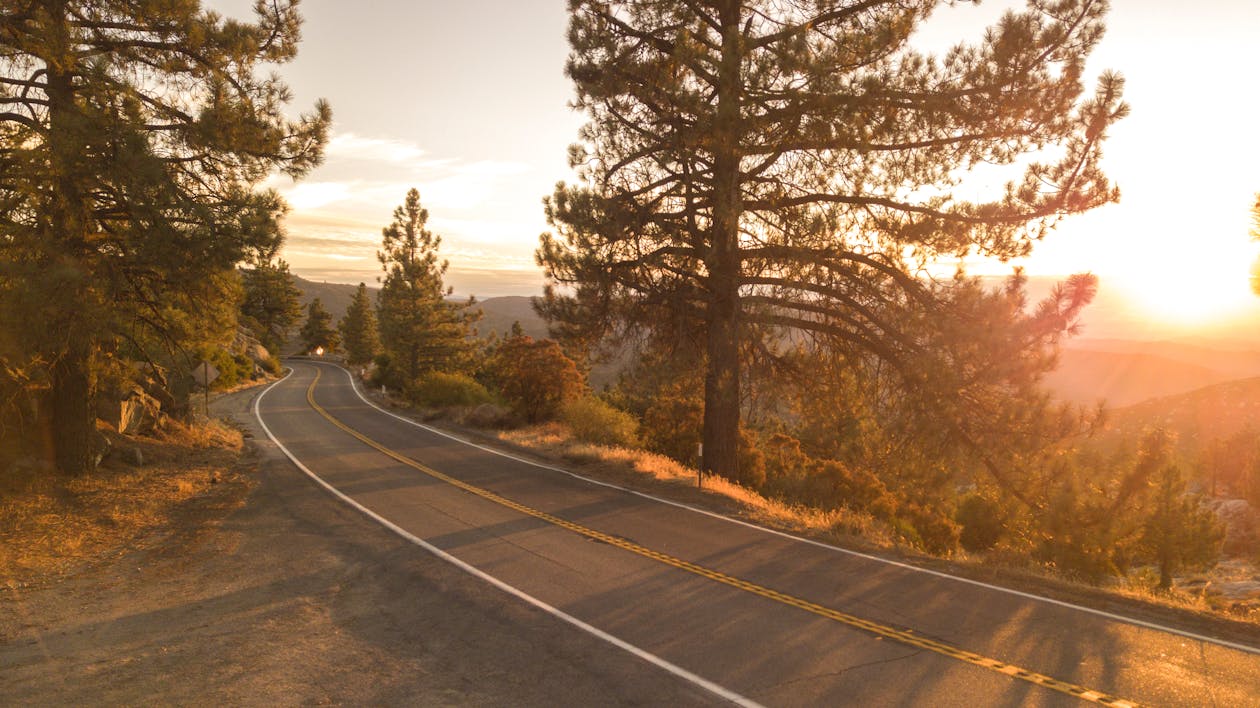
(898,635)
(714,688)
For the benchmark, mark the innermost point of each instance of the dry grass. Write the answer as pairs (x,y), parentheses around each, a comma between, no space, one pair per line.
(51,524)
(847,528)
(554,440)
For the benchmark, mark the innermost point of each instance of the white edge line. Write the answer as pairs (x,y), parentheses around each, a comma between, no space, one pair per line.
(643,654)
(837,549)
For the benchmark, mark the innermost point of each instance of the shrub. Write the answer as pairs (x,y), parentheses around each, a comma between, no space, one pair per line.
(982,523)
(385,373)
(672,425)
(594,421)
(487,415)
(439,389)
(231,371)
(535,377)
(934,532)
(857,489)
(272,366)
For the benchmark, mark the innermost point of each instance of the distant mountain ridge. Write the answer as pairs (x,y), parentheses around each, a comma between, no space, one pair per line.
(498,313)
(1120,372)
(1124,373)
(1196,418)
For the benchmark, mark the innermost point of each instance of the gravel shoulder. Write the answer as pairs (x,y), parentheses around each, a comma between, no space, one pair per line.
(267,590)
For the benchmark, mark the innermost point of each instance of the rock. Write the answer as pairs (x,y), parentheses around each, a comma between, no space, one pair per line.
(1238,590)
(133,456)
(1241,523)
(258,353)
(31,464)
(100,447)
(140,414)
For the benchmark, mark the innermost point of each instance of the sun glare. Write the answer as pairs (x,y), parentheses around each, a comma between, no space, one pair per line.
(1190,295)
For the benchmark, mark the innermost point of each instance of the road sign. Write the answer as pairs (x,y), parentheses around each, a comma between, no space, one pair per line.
(205,374)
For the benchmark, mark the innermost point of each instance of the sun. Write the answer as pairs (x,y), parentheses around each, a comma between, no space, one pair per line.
(1192,293)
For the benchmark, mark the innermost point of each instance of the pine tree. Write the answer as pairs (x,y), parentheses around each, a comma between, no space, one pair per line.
(1178,531)
(358,329)
(760,165)
(419,328)
(317,332)
(271,304)
(134,139)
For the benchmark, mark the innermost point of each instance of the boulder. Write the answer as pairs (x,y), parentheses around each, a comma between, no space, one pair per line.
(100,448)
(1242,526)
(139,414)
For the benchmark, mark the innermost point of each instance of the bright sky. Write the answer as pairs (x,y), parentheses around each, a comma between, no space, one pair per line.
(467,101)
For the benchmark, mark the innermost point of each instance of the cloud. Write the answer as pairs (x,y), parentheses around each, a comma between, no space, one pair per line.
(313,195)
(355,147)
(335,220)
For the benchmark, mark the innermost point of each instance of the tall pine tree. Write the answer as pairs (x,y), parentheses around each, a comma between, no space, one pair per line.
(419,328)
(760,165)
(317,332)
(358,329)
(134,137)
(271,304)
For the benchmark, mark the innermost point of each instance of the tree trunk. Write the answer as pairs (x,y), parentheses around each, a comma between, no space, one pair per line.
(73,420)
(721,382)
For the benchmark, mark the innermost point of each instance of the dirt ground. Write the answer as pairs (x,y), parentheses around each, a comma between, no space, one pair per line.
(266,590)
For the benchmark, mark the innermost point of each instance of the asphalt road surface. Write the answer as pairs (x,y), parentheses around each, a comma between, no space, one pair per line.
(749,616)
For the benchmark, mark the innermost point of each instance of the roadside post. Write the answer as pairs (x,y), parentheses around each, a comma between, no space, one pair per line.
(699,465)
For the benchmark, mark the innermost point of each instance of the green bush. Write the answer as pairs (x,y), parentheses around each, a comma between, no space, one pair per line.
(981,520)
(272,366)
(231,371)
(442,390)
(927,528)
(594,421)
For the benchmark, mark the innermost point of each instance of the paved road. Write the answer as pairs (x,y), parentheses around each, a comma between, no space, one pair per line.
(747,614)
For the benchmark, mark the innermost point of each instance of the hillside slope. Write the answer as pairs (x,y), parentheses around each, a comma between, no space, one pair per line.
(1122,379)
(1196,418)
(498,312)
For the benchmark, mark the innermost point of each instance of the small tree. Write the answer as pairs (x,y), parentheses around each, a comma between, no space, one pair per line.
(1178,531)
(271,306)
(318,331)
(358,329)
(535,377)
(419,329)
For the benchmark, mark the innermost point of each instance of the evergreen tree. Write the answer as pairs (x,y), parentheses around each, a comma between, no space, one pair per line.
(317,332)
(134,139)
(760,165)
(1178,531)
(271,304)
(419,328)
(358,329)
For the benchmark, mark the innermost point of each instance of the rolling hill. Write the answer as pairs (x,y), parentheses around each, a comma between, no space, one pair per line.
(1123,372)
(1196,417)
(498,313)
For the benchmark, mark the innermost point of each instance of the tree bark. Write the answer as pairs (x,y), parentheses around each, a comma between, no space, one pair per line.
(73,419)
(721,383)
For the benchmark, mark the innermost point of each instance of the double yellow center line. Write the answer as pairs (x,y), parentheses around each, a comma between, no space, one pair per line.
(902,636)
